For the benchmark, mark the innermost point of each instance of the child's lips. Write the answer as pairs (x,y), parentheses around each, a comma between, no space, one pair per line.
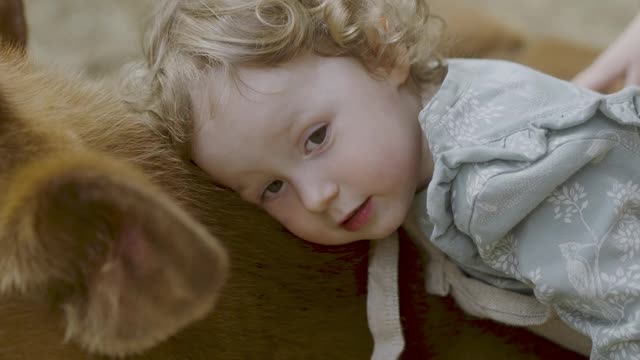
(359,217)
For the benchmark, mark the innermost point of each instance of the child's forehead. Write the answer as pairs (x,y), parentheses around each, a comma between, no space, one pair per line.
(254,91)
(258,106)
(266,80)
(260,97)
(249,80)
(219,90)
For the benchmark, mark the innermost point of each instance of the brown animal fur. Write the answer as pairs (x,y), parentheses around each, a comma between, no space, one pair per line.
(80,177)
(88,232)
(76,170)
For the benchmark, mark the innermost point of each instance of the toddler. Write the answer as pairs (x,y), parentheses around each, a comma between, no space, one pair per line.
(341,120)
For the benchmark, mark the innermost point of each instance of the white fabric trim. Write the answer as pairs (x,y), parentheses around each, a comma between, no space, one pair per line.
(383,301)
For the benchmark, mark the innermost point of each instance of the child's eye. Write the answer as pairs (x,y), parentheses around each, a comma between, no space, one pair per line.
(316,139)
(273,188)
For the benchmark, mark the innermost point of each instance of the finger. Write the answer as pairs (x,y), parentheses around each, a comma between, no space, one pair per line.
(598,78)
(633,76)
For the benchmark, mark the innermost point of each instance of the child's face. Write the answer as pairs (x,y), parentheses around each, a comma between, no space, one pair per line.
(332,153)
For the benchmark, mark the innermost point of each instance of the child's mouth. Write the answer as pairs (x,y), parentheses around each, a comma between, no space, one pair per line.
(359,217)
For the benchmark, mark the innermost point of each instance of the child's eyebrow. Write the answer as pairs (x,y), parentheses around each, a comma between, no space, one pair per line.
(297,121)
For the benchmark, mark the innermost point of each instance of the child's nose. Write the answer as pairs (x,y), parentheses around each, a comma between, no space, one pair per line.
(317,197)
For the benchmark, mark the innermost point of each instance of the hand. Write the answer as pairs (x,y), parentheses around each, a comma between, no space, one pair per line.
(620,59)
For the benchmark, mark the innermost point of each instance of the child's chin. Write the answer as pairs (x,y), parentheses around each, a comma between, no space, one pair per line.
(383,233)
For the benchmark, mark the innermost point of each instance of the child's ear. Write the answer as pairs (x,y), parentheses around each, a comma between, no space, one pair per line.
(92,237)
(399,74)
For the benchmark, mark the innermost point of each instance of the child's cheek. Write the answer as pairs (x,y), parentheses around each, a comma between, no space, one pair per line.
(284,210)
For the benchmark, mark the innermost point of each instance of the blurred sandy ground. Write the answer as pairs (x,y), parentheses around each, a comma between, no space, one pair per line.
(97,36)
(100,35)
(591,22)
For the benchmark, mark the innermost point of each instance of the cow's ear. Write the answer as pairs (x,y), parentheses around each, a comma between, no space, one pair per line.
(90,235)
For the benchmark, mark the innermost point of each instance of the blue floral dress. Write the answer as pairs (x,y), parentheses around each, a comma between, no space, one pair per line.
(536,189)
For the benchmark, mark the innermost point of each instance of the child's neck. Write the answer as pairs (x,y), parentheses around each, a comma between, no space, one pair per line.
(428,91)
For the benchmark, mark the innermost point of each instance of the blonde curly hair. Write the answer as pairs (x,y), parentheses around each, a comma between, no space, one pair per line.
(189,38)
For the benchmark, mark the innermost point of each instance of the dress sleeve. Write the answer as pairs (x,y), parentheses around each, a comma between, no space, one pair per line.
(568,223)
